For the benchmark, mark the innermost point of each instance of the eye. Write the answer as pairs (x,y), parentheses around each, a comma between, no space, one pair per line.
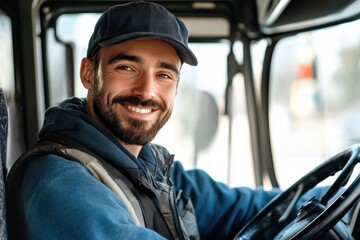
(124,68)
(165,76)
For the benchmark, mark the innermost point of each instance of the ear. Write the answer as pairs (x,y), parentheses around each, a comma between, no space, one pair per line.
(86,73)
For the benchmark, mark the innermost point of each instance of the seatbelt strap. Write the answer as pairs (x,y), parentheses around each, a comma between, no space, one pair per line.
(73,150)
(98,171)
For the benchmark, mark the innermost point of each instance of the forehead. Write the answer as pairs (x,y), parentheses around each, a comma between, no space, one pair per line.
(143,48)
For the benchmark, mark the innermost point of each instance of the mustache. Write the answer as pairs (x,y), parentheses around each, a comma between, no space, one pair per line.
(135,100)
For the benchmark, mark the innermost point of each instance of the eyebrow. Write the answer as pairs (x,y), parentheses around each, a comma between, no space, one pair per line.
(122,56)
(133,58)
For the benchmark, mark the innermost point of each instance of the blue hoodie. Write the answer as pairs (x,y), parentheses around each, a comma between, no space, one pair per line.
(61,200)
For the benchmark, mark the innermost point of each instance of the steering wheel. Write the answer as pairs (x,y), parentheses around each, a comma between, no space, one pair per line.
(316,218)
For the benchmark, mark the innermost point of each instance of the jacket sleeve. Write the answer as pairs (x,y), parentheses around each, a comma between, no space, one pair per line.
(62,200)
(221,211)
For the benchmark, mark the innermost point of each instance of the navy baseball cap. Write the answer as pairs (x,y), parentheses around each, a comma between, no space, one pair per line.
(140,20)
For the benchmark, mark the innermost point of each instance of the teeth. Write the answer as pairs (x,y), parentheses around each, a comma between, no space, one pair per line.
(139,110)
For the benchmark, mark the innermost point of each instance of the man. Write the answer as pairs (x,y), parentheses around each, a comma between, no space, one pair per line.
(131,73)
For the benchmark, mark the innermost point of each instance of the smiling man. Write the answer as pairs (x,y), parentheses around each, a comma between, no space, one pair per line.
(132,89)
(95,174)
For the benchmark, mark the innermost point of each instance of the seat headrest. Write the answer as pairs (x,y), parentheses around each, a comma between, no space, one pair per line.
(3,170)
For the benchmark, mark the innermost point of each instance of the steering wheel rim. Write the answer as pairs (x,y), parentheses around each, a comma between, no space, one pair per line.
(275,211)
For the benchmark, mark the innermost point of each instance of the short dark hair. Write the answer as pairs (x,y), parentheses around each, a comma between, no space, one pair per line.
(96,60)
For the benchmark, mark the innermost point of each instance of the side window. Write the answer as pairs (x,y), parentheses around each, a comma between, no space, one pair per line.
(315,101)
(7,79)
(74,30)
(6,56)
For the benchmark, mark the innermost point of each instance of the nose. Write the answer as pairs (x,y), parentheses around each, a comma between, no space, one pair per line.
(145,86)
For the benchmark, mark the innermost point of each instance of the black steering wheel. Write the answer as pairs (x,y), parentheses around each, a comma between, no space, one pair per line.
(316,218)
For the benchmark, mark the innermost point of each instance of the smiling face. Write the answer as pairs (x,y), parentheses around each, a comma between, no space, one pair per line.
(132,91)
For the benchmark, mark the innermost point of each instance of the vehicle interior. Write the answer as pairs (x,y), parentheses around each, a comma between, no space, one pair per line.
(274,101)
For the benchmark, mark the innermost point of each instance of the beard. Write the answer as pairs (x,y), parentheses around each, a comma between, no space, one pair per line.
(129,130)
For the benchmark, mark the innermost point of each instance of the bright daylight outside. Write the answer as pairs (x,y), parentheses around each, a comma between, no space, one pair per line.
(315,101)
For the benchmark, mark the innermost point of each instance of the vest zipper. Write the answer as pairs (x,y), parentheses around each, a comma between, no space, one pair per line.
(176,214)
(172,199)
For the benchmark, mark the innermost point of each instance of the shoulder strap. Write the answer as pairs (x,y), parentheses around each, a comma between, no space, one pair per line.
(89,160)
(60,145)
(142,206)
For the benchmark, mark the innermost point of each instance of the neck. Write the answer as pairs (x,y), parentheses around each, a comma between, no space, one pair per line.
(134,149)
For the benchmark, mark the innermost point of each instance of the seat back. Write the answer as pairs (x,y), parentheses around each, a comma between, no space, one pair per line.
(3,170)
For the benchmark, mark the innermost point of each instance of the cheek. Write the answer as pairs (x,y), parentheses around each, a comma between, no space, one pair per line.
(112,86)
(169,97)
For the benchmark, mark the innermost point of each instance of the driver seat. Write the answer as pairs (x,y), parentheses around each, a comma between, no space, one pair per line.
(3,170)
